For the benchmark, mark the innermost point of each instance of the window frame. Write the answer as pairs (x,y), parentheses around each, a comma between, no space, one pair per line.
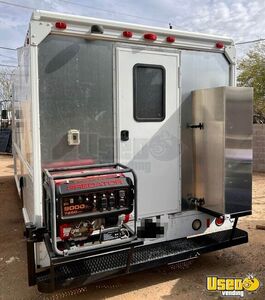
(160,67)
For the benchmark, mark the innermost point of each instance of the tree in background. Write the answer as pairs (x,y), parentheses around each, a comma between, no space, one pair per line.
(252,74)
(5,93)
(5,84)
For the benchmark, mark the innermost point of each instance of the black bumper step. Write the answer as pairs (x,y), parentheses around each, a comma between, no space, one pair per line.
(78,272)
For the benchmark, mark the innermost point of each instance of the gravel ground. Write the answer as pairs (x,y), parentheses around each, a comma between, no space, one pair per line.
(181,282)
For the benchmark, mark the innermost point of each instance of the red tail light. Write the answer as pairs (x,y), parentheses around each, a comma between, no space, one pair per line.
(220,221)
(60,25)
(171,39)
(150,36)
(126,218)
(127,34)
(219,45)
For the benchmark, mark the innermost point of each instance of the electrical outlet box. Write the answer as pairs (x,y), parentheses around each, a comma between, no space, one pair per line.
(73,137)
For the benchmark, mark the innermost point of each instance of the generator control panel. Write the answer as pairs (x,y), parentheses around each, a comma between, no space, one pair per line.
(94,197)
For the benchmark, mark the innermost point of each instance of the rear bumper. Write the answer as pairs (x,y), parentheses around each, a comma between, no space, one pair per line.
(78,272)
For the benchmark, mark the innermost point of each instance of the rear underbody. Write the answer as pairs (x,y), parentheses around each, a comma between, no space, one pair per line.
(99,265)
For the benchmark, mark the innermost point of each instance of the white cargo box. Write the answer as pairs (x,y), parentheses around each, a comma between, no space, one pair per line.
(97,92)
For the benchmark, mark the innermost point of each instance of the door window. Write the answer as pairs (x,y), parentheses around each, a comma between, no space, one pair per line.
(149,93)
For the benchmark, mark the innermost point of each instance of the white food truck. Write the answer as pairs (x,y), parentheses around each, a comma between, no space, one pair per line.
(132,147)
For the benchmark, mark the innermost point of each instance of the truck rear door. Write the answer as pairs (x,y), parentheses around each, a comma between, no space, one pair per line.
(148,125)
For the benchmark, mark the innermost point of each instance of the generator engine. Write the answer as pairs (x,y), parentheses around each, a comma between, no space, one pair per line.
(76,231)
(84,209)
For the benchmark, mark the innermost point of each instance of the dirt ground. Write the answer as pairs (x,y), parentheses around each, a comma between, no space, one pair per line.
(183,282)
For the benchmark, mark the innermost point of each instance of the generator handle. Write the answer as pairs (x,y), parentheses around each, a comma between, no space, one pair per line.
(123,169)
(92,166)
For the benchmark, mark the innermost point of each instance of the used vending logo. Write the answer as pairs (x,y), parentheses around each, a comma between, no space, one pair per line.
(233,286)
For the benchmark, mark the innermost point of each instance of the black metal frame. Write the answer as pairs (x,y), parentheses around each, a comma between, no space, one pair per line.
(209,211)
(49,280)
(218,214)
(66,272)
(33,235)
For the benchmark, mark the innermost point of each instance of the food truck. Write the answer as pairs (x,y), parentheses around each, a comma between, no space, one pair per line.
(132,147)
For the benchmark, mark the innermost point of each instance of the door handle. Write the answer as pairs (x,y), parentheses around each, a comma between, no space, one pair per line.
(124,135)
(200,125)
